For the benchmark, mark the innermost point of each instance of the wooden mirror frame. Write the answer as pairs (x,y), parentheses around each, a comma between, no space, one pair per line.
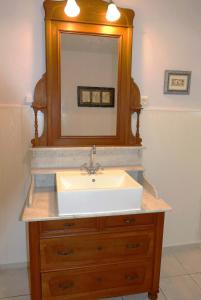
(47,98)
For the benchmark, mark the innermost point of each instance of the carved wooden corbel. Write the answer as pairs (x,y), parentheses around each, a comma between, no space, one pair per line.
(135,107)
(40,104)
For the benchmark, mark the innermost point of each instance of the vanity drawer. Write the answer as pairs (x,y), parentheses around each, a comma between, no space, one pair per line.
(68,252)
(52,228)
(129,221)
(77,283)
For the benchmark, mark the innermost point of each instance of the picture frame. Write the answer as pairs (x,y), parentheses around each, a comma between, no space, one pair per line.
(95,96)
(177,82)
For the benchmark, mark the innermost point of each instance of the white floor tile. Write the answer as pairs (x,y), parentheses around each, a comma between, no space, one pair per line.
(161,296)
(143,297)
(116,298)
(180,288)
(170,266)
(197,278)
(136,297)
(14,282)
(190,258)
(18,298)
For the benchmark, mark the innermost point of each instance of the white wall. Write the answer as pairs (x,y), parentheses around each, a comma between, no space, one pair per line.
(173,164)
(22,48)
(22,64)
(15,135)
(167,36)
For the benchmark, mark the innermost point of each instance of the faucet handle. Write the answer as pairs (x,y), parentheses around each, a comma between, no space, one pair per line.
(99,167)
(84,167)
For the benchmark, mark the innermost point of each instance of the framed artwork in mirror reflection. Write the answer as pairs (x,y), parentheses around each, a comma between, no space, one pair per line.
(95,96)
(177,82)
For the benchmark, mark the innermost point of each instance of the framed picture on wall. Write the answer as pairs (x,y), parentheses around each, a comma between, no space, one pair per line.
(95,96)
(177,82)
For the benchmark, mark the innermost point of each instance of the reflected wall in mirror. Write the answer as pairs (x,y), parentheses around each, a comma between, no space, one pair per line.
(88,61)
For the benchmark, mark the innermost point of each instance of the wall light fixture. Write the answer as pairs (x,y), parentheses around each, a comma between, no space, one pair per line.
(113,14)
(73,10)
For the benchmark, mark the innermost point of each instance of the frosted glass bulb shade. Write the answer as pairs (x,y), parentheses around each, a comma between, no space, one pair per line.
(72,9)
(113,14)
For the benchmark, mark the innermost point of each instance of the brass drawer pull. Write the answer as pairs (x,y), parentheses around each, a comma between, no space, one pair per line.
(129,221)
(131,277)
(67,285)
(134,246)
(67,225)
(65,253)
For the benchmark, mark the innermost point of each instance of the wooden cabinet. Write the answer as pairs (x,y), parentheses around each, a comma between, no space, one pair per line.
(96,258)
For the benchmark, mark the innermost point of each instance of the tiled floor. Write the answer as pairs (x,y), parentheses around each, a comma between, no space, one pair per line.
(180,278)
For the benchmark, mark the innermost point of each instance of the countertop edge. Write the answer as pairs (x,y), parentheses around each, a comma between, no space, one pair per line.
(150,204)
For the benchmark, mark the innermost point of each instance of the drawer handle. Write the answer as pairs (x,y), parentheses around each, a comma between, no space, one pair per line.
(99,279)
(67,225)
(129,221)
(131,277)
(65,286)
(134,246)
(65,253)
(99,248)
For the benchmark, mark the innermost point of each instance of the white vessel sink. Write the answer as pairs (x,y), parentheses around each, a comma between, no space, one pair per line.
(109,191)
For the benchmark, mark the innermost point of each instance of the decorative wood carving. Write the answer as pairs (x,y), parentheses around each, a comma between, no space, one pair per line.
(135,108)
(40,104)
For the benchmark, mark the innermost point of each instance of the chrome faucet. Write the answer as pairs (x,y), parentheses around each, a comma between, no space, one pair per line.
(92,168)
(92,156)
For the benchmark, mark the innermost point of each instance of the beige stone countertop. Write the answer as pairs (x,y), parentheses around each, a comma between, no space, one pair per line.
(44,206)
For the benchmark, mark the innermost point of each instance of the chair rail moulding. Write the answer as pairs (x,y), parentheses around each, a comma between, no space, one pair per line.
(91,22)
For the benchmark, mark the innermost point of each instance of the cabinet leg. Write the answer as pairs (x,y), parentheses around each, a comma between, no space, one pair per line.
(153,295)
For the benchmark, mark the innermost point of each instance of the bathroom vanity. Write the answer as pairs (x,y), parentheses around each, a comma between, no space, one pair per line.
(92,253)
(95,258)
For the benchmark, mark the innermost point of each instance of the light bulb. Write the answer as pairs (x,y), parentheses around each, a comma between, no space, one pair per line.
(72,9)
(113,14)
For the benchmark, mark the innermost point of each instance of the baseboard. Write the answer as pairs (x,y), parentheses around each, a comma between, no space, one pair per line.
(169,248)
(14,266)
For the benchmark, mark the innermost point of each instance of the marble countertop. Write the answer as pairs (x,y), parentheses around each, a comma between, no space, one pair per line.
(44,205)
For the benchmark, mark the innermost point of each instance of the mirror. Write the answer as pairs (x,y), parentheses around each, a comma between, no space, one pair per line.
(89,85)
(87,94)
